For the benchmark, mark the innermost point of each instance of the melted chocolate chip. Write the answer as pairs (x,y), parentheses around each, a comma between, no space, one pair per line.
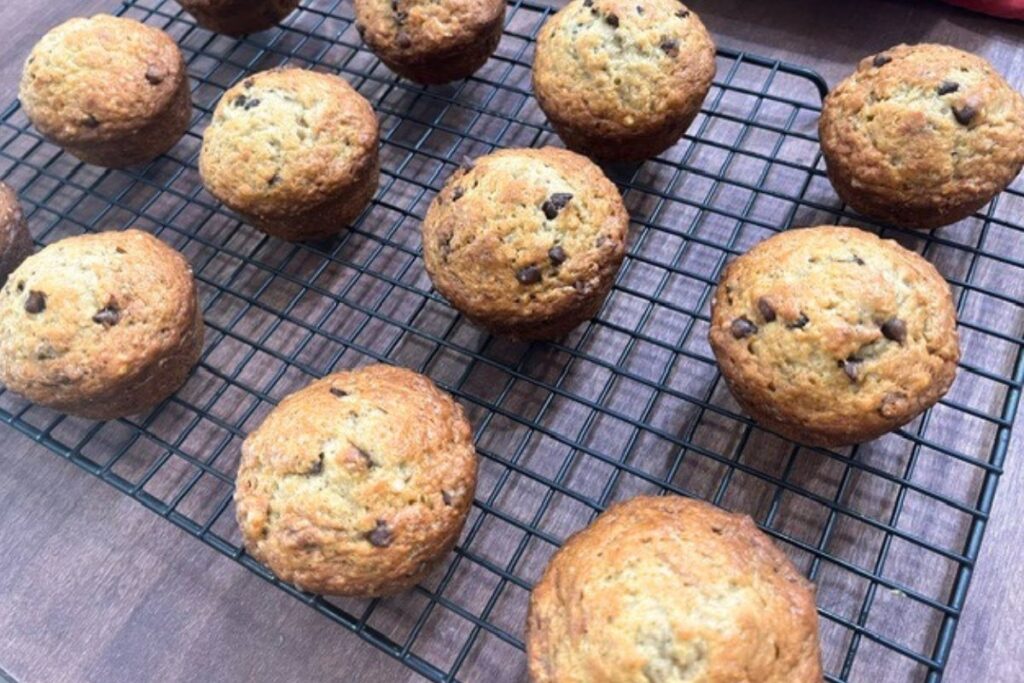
(764,307)
(881,60)
(155,75)
(742,327)
(555,203)
(457,194)
(240,101)
(529,275)
(683,13)
(446,497)
(340,393)
(799,323)
(670,46)
(851,366)
(895,330)
(381,536)
(947,87)
(252,104)
(108,316)
(964,114)
(612,20)
(640,10)
(557,255)
(36,302)
(317,467)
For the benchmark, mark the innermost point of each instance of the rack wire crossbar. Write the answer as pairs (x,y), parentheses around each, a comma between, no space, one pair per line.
(630,403)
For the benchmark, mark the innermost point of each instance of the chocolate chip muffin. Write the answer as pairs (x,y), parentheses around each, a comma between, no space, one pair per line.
(111,91)
(294,152)
(238,17)
(100,326)
(15,241)
(922,135)
(831,336)
(431,41)
(621,79)
(671,589)
(358,484)
(526,242)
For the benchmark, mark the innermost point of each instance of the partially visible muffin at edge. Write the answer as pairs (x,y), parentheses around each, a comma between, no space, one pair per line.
(672,589)
(358,484)
(620,79)
(294,152)
(831,336)
(922,136)
(111,91)
(238,17)
(100,325)
(431,41)
(15,240)
(526,242)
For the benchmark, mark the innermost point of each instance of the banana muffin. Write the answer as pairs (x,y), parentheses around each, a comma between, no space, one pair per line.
(294,152)
(671,589)
(831,336)
(526,242)
(431,41)
(111,91)
(15,241)
(922,136)
(238,17)
(622,79)
(100,326)
(358,484)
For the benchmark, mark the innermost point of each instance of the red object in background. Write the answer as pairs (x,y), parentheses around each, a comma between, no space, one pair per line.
(1011,9)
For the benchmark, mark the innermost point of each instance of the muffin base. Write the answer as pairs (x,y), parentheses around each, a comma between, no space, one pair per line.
(445,68)
(144,144)
(626,148)
(240,17)
(15,246)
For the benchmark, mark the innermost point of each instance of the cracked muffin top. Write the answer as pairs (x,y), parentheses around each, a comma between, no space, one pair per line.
(100,324)
(522,238)
(99,78)
(669,589)
(922,135)
(284,140)
(623,67)
(833,336)
(357,484)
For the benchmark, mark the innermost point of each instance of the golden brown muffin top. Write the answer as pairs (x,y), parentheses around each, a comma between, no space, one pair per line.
(354,483)
(284,140)
(667,590)
(92,310)
(626,64)
(524,233)
(837,335)
(413,30)
(98,78)
(918,122)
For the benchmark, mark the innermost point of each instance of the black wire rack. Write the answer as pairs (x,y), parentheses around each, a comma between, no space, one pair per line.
(629,403)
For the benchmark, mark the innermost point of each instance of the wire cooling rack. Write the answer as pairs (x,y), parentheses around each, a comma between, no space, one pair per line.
(627,404)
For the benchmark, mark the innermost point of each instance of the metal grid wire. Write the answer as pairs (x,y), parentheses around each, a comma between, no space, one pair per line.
(629,403)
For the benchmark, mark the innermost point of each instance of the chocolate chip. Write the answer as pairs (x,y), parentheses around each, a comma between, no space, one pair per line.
(403,41)
(274,180)
(557,255)
(108,316)
(965,114)
(240,101)
(36,302)
(947,87)
(90,121)
(381,536)
(340,393)
(742,327)
(252,104)
(588,3)
(317,466)
(799,323)
(881,60)
(670,46)
(446,497)
(529,275)
(457,194)
(895,330)
(851,366)
(555,203)
(401,17)
(155,75)
(764,307)
(249,83)
(640,10)
(365,457)
(612,20)
(21,286)
(683,13)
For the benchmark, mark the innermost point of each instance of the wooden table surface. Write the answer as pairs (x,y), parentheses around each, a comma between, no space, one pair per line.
(85,598)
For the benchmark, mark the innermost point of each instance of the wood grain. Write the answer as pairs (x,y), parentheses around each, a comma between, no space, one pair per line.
(96,588)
